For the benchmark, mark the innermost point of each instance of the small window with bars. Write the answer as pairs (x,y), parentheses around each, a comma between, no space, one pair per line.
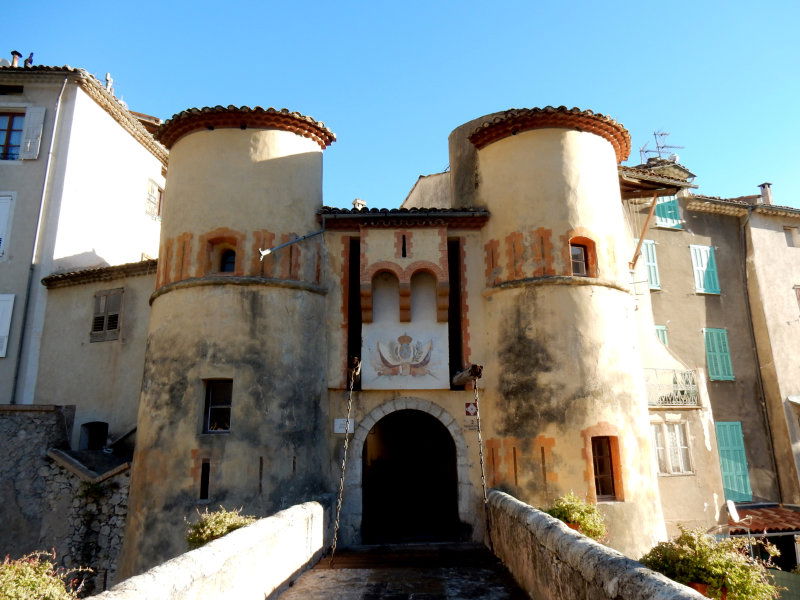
(672,448)
(217,410)
(106,317)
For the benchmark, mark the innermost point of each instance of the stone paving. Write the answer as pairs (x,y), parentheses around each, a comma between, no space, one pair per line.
(414,572)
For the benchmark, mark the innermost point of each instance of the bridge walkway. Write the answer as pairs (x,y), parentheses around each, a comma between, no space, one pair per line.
(408,572)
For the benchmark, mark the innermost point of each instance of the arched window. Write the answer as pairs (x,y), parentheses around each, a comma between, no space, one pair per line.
(385,297)
(227,261)
(423,297)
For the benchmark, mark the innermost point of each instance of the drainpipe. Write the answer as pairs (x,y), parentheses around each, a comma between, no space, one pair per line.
(752,329)
(36,248)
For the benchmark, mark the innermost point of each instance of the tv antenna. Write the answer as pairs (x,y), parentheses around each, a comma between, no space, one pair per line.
(662,148)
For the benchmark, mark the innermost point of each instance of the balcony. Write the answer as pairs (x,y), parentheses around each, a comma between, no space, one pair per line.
(667,387)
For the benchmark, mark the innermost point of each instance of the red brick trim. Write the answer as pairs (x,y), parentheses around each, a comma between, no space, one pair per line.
(465,336)
(542,245)
(221,236)
(262,239)
(515,251)
(492,259)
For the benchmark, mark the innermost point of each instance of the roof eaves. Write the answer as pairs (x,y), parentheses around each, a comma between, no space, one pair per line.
(90,275)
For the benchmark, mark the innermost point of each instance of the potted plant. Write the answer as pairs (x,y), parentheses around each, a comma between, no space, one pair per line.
(721,569)
(579,515)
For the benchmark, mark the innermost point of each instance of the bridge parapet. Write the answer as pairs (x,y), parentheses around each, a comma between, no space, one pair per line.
(247,564)
(550,561)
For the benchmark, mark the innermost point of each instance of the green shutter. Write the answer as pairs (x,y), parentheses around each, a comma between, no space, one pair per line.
(718,355)
(649,252)
(668,213)
(661,332)
(704,264)
(733,461)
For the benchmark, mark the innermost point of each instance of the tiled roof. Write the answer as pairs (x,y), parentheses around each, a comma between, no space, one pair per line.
(770,519)
(517,120)
(650,175)
(739,206)
(236,117)
(345,218)
(98,92)
(78,276)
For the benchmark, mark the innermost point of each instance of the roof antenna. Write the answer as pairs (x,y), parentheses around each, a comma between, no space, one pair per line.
(662,148)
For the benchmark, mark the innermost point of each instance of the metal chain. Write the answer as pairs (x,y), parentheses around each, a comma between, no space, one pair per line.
(354,371)
(480,452)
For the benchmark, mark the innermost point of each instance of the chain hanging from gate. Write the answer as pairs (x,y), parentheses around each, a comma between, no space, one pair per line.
(472,374)
(354,370)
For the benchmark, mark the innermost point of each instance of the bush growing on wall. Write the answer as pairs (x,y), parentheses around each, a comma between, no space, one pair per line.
(213,525)
(36,577)
(582,515)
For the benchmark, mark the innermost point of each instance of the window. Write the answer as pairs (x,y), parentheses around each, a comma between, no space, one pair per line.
(227,261)
(11,126)
(704,264)
(155,196)
(205,475)
(718,356)
(217,411)
(603,463)
(6,310)
(672,448)
(651,264)
(668,213)
(6,203)
(661,333)
(579,255)
(21,133)
(105,320)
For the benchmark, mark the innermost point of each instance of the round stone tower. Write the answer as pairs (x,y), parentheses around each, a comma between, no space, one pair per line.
(234,371)
(565,404)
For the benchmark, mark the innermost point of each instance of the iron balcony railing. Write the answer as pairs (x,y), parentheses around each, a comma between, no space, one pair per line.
(668,387)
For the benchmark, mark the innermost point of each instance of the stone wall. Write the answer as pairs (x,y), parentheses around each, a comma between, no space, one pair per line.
(50,501)
(26,433)
(249,563)
(553,562)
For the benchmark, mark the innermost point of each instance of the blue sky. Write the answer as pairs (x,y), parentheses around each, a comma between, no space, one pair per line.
(393,79)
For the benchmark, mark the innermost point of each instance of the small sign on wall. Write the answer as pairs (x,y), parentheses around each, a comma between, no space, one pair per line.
(340,424)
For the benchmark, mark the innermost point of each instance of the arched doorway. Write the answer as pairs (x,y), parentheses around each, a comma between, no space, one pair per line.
(409,480)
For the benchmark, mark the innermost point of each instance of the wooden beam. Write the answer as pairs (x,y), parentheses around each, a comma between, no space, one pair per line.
(638,250)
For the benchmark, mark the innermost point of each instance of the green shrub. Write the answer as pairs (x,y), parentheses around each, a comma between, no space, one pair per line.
(571,509)
(36,577)
(695,557)
(213,525)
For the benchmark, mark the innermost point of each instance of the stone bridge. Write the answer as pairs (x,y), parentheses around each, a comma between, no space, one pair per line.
(529,555)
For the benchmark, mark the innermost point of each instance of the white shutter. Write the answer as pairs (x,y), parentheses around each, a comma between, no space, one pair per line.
(6,308)
(32,132)
(5,222)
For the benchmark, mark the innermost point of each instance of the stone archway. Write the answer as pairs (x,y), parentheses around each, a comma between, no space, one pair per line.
(352,508)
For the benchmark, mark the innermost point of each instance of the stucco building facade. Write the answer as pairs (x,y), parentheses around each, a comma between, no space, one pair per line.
(636,337)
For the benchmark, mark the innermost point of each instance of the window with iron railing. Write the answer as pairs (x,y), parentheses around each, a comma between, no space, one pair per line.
(668,387)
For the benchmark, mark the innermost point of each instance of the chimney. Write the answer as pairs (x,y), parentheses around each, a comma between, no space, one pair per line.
(15,56)
(766,193)
(358,204)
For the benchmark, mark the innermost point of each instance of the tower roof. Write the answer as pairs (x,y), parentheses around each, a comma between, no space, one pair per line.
(517,120)
(233,117)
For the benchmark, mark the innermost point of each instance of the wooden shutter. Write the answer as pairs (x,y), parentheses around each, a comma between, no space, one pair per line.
(5,223)
(704,265)
(661,333)
(718,355)
(668,213)
(106,315)
(733,461)
(649,251)
(32,132)
(6,310)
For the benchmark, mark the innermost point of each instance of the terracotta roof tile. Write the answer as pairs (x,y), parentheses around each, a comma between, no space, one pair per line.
(769,519)
(78,276)
(517,120)
(235,117)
